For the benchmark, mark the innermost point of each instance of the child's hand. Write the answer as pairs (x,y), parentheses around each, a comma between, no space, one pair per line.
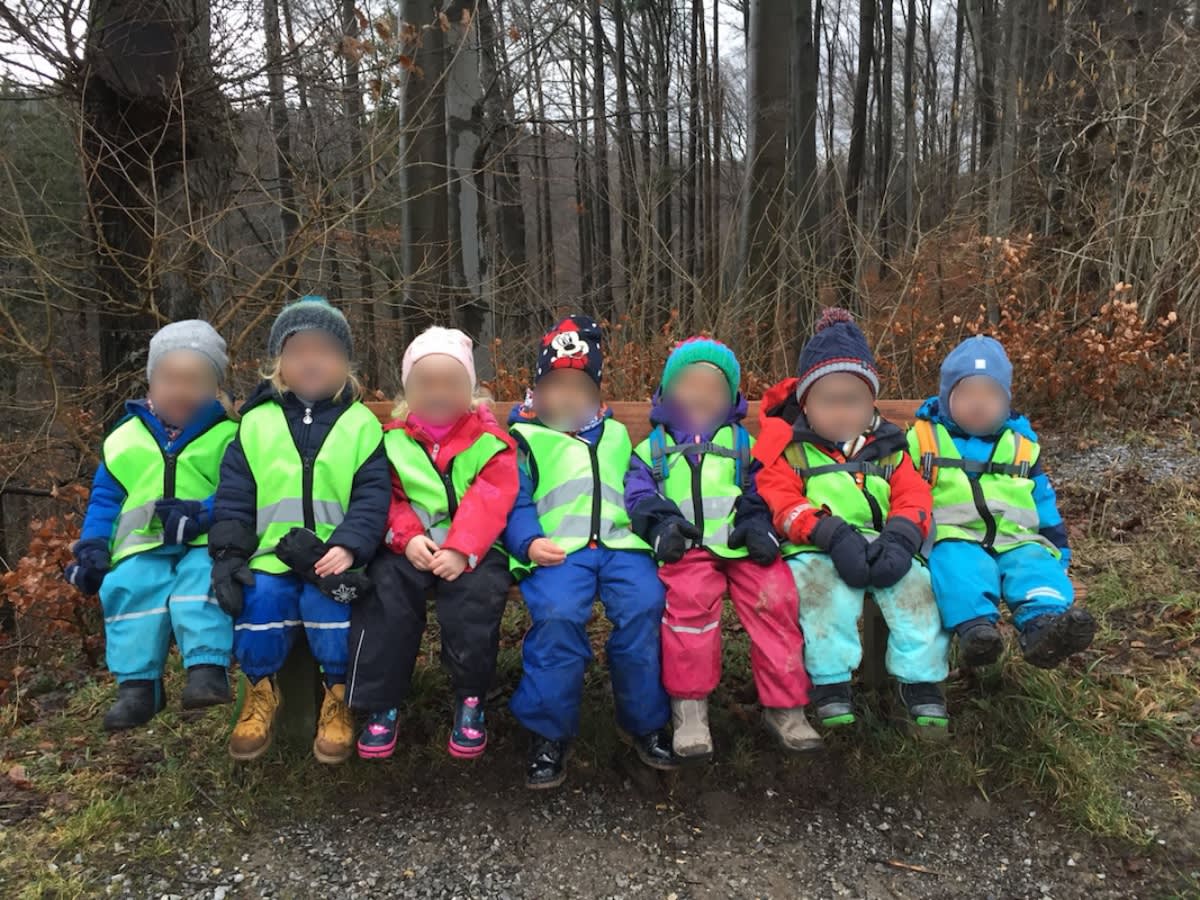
(335,561)
(545,552)
(420,551)
(448,564)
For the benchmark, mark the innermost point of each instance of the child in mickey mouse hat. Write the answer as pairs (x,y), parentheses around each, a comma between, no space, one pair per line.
(570,538)
(691,493)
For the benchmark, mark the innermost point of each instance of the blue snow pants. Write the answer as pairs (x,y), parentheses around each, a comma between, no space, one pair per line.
(276,607)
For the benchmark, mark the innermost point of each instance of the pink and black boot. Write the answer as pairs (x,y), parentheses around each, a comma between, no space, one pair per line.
(468,739)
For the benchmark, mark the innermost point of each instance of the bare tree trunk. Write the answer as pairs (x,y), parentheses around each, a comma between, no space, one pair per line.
(156,158)
(910,123)
(848,288)
(886,161)
(583,183)
(954,160)
(630,213)
(281,133)
(602,203)
(764,219)
(424,214)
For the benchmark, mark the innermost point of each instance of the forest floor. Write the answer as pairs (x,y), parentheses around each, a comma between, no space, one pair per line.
(1083,782)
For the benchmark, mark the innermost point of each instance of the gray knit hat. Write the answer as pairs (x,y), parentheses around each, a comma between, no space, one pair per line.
(310,313)
(191,334)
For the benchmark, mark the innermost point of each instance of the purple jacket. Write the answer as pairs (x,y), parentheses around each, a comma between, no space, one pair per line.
(649,510)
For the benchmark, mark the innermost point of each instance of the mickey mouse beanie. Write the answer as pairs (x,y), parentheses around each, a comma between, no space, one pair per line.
(574,343)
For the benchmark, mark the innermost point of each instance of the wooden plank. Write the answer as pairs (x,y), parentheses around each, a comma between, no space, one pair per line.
(635,414)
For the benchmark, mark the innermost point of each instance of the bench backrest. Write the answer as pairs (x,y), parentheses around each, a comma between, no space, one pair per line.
(635,414)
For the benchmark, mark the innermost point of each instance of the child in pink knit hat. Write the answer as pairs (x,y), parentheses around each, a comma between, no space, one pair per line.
(454,479)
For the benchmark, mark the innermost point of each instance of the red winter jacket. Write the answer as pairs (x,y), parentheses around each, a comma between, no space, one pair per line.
(782,422)
(484,506)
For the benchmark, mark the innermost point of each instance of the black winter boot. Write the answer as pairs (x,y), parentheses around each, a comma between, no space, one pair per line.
(979,642)
(207,685)
(832,704)
(137,703)
(654,750)
(926,705)
(1048,640)
(547,763)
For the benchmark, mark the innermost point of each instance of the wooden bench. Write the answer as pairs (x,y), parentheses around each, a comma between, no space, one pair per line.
(300,683)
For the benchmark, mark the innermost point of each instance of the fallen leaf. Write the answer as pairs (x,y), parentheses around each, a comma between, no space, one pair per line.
(18,777)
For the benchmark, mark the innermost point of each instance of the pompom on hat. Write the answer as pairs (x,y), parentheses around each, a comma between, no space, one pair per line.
(837,345)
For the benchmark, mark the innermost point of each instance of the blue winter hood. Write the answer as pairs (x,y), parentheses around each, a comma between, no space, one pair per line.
(205,418)
(662,412)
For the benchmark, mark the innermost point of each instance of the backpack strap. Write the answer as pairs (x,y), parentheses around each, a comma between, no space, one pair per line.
(742,444)
(658,454)
(855,467)
(927,444)
(1022,453)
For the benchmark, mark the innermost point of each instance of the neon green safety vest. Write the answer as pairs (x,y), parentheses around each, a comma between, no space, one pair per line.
(858,490)
(580,492)
(312,492)
(149,473)
(433,495)
(703,479)
(996,508)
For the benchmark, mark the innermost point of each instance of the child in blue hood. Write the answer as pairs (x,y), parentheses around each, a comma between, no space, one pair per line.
(141,547)
(998,532)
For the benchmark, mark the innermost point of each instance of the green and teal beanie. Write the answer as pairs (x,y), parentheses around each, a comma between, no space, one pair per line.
(703,350)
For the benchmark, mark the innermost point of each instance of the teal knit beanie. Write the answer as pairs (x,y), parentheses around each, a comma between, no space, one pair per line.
(703,350)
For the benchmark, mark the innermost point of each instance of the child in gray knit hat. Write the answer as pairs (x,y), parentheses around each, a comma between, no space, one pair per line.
(302,507)
(147,520)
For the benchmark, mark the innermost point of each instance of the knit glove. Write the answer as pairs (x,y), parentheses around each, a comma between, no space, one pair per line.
(891,555)
(183,520)
(231,544)
(760,542)
(671,539)
(91,564)
(846,547)
(300,549)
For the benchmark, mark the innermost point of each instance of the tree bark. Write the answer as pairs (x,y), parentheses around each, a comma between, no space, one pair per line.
(848,288)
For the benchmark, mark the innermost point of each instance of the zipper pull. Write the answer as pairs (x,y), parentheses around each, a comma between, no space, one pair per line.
(434,452)
(307,415)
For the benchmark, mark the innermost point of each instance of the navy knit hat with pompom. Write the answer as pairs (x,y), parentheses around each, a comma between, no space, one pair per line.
(838,345)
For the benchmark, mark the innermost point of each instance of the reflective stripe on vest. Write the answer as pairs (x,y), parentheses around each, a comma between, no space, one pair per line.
(434,496)
(996,508)
(580,495)
(713,480)
(857,490)
(148,473)
(312,492)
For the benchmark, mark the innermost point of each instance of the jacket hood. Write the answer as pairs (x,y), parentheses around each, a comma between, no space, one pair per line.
(523,413)
(205,418)
(931,409)
(266,391)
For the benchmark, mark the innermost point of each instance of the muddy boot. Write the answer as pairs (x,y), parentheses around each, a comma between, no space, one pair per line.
(547,766)
(791,729)
(335,728)
(926,705)
(979,643)
(832,704)
(1048,640)
(692,740)
(206,686)
(138,701)
(255,726)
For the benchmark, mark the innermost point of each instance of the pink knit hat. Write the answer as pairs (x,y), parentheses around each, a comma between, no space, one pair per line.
(438,341)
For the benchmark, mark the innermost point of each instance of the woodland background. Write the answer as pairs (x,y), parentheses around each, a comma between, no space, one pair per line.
(1025,167)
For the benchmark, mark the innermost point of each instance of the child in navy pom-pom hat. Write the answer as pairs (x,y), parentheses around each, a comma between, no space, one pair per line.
(997,529)
(853,512)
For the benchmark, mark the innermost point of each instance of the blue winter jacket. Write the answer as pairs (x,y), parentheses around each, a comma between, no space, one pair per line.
(104,504)
(523,526)
(371,491)
(1050,520)
(649,510)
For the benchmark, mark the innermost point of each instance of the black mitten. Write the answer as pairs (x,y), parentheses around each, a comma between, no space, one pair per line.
(846,547)
(299,550)
(891,555)
(349,587)
(759,540)
(672,538)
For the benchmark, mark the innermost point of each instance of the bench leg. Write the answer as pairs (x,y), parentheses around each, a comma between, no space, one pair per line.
(299,683)
(874,639)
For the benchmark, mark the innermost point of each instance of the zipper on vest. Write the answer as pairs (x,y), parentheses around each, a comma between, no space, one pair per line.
(876,510)
(169,475)
(306,478)
(697,499)
(446,478)
(596,487)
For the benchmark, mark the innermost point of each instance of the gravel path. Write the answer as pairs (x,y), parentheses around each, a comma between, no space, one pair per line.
(605,835)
